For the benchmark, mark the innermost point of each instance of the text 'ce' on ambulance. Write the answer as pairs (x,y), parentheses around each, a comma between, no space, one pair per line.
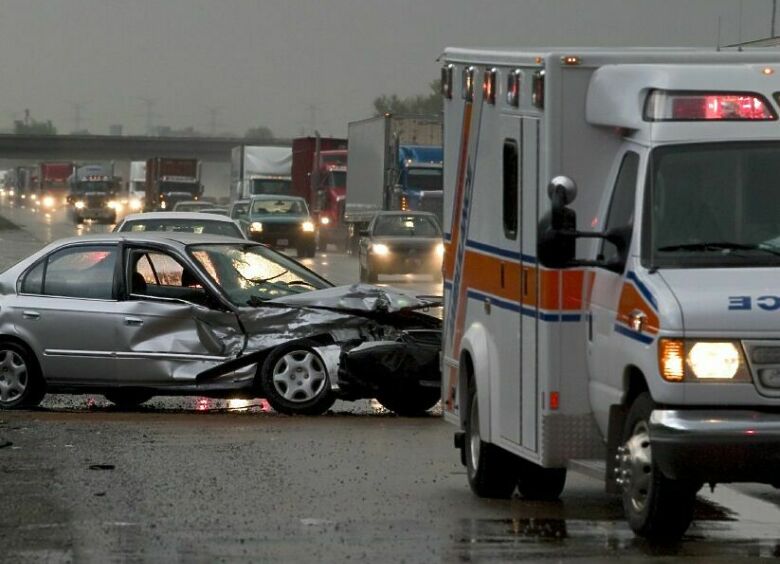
(612,272)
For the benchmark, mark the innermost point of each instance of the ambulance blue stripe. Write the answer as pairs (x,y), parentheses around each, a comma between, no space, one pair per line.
(626,332)
(644,290)
(506,253)
(528,312)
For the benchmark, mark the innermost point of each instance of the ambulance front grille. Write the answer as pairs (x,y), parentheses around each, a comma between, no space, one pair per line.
(763,358)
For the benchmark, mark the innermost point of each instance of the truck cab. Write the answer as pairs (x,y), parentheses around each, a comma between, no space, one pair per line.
(420,179)
(329,198)
(612,247)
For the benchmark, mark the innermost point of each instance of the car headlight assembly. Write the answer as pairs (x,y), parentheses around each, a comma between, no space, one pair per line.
(48,201)
(256,227)
(307,226)
(79,205)
(380,249)
(692,360)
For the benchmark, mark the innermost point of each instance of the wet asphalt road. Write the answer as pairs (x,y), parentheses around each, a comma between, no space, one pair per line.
(199,480)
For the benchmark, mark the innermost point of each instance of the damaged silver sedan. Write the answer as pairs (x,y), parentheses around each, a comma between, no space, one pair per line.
(133,316)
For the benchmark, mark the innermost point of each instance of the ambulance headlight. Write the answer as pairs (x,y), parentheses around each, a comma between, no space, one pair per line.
(380,249)
(701,361)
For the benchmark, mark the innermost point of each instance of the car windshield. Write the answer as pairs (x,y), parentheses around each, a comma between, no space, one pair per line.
(336,179)
(713,204)
(97,186)
(406,226)
(226,228)
(180,187)
(192,206)
(425,178)
(251,274)
(281,206)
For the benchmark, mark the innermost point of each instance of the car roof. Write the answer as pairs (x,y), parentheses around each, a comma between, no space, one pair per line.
(174,239)
(178,215)
(276,197)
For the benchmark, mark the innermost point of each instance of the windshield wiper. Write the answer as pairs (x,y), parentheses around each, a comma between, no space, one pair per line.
(719,246)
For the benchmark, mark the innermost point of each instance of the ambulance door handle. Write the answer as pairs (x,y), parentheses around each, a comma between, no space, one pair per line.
(525,282)
(487,305)
(502,275)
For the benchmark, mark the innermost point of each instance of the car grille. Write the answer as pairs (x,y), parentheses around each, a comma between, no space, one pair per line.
(95,201)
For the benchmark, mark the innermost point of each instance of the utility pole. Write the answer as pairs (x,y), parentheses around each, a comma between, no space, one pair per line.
(213,113)
(149,103)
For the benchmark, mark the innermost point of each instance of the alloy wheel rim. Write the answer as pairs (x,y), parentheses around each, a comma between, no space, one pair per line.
(635,469)
(475,441)
(13,376)
(299,376)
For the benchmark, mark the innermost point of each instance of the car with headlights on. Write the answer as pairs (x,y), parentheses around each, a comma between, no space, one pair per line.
(192,206)
(282,222)
(180,222)
(401,243)
(134,315)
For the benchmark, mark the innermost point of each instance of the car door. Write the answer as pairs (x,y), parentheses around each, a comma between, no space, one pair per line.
(66,309)
(604,341)
(171,327)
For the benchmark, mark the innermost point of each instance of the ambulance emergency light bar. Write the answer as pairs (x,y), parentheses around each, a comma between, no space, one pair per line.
(666,105)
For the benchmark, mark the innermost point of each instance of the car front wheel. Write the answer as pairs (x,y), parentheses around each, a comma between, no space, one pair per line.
(295,380)
(21,382)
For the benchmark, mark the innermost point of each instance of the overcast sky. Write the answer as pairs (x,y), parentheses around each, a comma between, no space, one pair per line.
(261,62)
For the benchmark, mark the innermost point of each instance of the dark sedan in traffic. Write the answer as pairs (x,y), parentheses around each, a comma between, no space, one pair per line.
(400,243)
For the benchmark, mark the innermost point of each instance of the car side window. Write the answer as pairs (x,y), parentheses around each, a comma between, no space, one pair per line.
(621,208)
(159,275)
(80,272)
(32,283)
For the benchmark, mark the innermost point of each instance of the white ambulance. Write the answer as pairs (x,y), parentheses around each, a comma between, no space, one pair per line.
(612,271)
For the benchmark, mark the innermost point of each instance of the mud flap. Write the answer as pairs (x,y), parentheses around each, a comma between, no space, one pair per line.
(617,418)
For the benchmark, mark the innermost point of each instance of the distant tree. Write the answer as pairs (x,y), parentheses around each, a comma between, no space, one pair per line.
(32,127)
(260,132)
(421,104)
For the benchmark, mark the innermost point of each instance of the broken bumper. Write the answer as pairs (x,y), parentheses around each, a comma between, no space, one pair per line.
(717,445)
(412,360)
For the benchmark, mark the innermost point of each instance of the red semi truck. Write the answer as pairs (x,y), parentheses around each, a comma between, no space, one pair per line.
(53,186)
(319,174)
(171,180)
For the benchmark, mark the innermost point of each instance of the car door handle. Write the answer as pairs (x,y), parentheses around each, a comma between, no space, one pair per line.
(133,321)
(27,314)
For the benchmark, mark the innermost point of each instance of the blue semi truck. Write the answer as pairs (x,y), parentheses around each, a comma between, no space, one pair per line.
(395,163)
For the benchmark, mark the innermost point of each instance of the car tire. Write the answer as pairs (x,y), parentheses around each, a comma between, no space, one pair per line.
(21,382)
(409,401)
(492,472)
(656,507)
(294,380)
(541,484)
(127,399)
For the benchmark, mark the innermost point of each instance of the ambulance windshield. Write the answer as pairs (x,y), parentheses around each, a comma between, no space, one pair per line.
(713,205)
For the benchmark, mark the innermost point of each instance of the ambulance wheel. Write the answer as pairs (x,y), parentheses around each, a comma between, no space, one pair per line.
(655,506)
(543,484)
(492,471)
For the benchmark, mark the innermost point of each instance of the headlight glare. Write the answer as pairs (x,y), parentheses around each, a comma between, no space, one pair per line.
(714,361)
(307,226)
(79,205)
(440,250)
(48,201)
(380,249)
(256,226)
(325,220)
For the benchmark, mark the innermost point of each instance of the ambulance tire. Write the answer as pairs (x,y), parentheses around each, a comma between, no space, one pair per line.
(540,484)
(492,471)
(656,507)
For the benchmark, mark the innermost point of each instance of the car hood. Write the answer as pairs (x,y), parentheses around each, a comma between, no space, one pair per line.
(287,219)
(359,298)
(408,242)
(727,300)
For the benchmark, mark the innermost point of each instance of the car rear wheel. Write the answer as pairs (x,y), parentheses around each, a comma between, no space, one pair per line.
(295,380)
(410,401)
(21,382)
(655,506)
(492,471)
(127,399)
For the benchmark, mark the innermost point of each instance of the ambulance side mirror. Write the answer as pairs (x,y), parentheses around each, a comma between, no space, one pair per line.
(558,229)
